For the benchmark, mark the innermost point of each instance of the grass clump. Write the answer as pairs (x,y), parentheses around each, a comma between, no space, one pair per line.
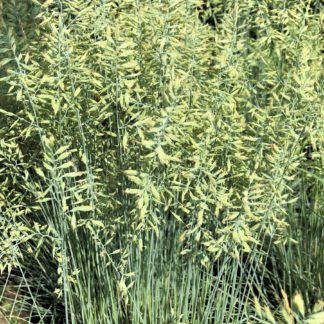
(161,161)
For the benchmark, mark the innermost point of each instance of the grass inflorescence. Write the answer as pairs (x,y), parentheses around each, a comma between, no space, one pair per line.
(161,161)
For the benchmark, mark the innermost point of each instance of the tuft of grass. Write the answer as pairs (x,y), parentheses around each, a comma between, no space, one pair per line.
(160,172)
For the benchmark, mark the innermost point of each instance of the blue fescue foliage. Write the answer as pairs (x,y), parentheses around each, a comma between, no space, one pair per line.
(161,161)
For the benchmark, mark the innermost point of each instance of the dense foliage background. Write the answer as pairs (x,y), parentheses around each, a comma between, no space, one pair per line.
(161,161)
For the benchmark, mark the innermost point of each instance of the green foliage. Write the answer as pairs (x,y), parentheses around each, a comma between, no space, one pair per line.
(160,161)
(292,312)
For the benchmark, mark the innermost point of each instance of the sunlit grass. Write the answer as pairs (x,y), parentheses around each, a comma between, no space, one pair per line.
(161,162)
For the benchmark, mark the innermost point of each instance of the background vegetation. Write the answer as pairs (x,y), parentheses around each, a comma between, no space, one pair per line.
(161,161)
